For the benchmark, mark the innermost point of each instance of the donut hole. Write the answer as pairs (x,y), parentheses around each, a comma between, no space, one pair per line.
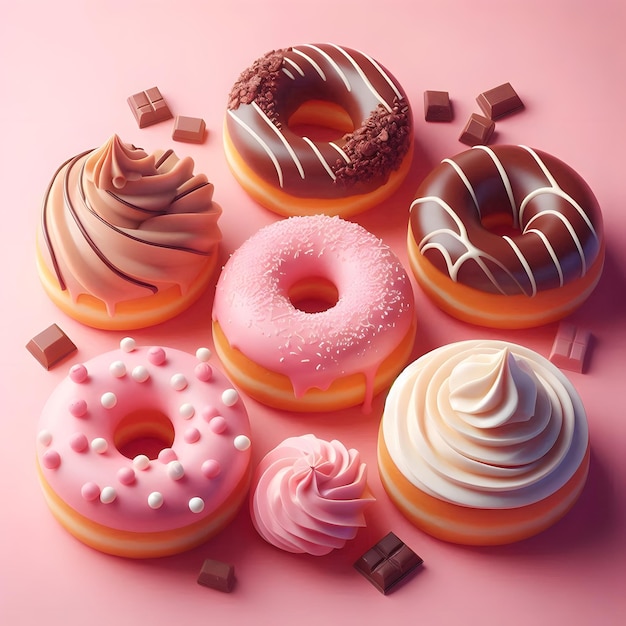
(500,224)
(320,120)
(313,294)
(146,431)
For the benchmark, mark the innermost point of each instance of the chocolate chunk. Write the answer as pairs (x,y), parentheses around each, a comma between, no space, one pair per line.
(570,347)
(478,130)
(190,129)
(499,101)
(217,575)
(149,107)
(437,106)
(388,562)
(50,346)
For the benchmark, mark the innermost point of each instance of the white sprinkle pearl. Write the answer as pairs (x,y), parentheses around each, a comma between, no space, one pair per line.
(230,397)
(127,344)
(44,437)
(178,382)
(117,369)
(155,500)
(241,442)
(107,495)
(175,470)
(99,445)
(108,400)
(140,374)
(141,462)
(203,354)
(186,411)
(196,505)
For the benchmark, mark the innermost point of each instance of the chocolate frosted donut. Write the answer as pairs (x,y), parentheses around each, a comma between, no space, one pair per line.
(506,236)
(334,87)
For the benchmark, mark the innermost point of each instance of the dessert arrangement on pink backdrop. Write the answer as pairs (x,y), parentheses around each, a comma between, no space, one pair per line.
(313,313)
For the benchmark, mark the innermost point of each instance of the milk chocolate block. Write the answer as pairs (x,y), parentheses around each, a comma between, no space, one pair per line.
(388,562)
(50,346)
(499,101)
(149,107)
(477,131)
(190,129)
(437,106)
(570,348)
(217,575)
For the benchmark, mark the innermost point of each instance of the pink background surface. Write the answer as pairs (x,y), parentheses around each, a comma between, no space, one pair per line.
(67,69)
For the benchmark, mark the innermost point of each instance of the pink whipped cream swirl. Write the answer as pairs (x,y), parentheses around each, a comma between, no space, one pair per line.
(120,224)
(308,495)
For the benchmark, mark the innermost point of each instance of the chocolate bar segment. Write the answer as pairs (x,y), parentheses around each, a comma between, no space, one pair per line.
(387,563)
(437,106)
(217,575)
(50,346)
(499,101)
(570,348)
(190,129)
(149,107)
(477,131)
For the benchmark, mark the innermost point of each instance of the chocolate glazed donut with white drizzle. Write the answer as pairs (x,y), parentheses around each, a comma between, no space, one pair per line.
(325,85)
(506,236)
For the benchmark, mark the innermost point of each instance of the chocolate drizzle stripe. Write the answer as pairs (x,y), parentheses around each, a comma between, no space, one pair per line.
(166,155)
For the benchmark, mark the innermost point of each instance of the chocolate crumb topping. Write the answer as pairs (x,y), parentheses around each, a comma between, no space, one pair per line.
(258,83)
(379,145)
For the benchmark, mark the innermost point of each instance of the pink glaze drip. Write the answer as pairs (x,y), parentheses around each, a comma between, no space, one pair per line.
(101,483)
(119,224)
(308,495)
(372,316)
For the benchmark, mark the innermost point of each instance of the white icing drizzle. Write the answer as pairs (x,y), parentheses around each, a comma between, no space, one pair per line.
(342,154)
(383,74)
(333,63)
(317,68)
(294,65)
(288,73)
(320,156)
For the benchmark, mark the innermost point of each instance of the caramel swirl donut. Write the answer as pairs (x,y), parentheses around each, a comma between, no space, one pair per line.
(506,237)
(334,87)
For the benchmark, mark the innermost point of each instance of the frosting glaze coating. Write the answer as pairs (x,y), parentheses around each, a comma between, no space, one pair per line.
(120,399)
(373,106)
(485,424)
(373,314)
(121,226)
(308,495)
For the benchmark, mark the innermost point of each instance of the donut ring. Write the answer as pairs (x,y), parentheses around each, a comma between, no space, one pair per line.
(330,86)
(99,435)
(544,263)
(338,356)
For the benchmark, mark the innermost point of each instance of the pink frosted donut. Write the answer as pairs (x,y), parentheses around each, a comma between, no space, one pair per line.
(313,313)
(308,495)
(144,452)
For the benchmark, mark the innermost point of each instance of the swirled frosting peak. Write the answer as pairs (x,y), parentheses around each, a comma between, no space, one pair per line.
(490,390)
(309,495)
(120,224)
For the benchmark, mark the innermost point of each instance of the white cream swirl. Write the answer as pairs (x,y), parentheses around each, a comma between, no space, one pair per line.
(308,495)
(486,424)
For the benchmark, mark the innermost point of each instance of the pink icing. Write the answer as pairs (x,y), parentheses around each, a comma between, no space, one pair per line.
(372,316)
(120,224)
(99,482)
(308,495)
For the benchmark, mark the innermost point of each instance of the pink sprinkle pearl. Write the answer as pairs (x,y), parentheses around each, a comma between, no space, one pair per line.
(167,455)
(78,408)
(90,491)
(217,424)
(192,435)
(156,355)
(208,412)
(210,468)
(78,373)
(79,442)
(51,459)
(203,372)
(126,475)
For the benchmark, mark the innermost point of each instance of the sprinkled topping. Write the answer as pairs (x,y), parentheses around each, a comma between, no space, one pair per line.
(155,500)
(167,455)
(203,372)
(117,369)
(178,382)
(217,424)
(175,470)
(90,491)
(79,442)
(44,437)
(140,374)
(241,442)
(107,495)
(128,344)
(192,435)
(51,459)
(186,411)
(99,445)
(211,468)
(230,397)
(208,412)
(156,355)
(108,400)
(196,505)
(141,462)
(203,354)
(78,408)
(126,475)
(78,373)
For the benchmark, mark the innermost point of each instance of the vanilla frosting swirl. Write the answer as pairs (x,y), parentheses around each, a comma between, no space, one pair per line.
(308,495)
(486,424)
(120,224)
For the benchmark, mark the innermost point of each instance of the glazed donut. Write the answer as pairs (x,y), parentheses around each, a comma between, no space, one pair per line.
(506,236)
(144,452)
(339,353)
(127,239)
(329,86)
(483,442)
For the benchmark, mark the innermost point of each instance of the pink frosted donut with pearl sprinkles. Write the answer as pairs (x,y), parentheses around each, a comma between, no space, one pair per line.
(144,451)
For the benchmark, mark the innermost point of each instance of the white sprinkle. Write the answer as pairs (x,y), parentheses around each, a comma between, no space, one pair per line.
(241,442)
(141,462)
(117,369)
(127,344)
(107,495)
(108,400)
(196,505)
(178,382)
(230,397)
(186,411)
(155,500)
(140,374)
(175,470)
(99,445)
(44,437)
(203,354)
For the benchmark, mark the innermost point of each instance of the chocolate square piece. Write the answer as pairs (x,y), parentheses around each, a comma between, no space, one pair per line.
(437,106)
(477,131)
(499,101)
(217,575)
(50,346)
(388,562)
(570,348)
(149,107)
(190,129)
